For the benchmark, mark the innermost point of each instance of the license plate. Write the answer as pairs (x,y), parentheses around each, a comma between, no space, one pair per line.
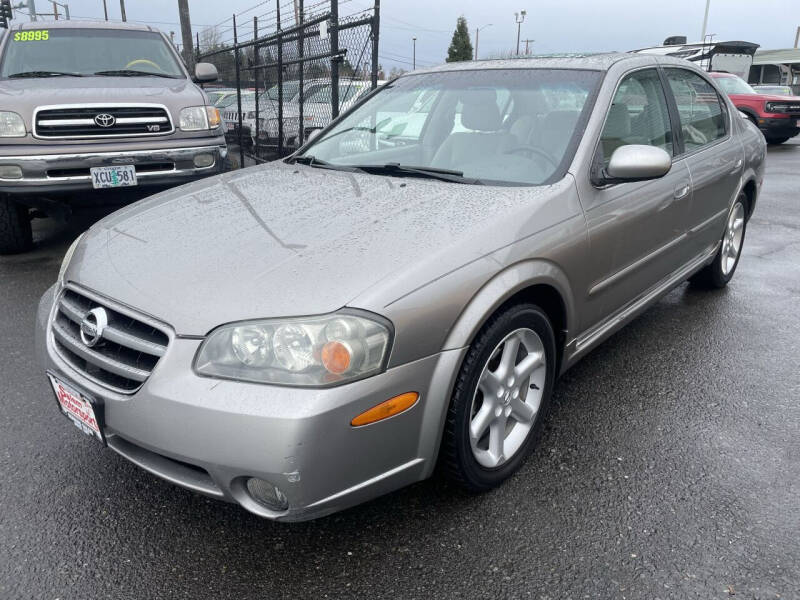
(797,123)
(85,413)
(113,177)
(229,126)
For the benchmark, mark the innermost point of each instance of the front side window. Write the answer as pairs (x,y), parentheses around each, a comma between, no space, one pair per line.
(701,113)
(63,52)
(638,115)
(498,126)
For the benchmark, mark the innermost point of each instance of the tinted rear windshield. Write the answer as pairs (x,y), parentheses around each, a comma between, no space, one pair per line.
(51,52)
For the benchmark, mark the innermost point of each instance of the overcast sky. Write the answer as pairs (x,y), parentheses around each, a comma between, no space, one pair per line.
(557,26)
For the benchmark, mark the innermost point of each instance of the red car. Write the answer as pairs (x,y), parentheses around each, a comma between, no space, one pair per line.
(778,117)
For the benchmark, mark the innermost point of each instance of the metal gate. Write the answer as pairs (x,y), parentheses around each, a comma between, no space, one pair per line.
(289,72)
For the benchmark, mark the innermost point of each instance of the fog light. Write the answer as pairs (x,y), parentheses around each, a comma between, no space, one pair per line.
(201,161)
(267,494)
(10,172)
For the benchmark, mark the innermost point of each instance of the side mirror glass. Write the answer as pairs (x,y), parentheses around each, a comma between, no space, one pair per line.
(637,162)
(205,72)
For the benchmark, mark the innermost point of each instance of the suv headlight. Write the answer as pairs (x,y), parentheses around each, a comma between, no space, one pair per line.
(307,351)
(68,259)
(777,107)
(199,118)
(12,125)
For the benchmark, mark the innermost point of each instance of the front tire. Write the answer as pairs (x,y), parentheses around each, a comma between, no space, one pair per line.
(721,270)
(15,227)
(500,399)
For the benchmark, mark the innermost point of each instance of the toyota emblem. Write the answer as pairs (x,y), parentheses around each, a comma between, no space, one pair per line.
(105,120)
(93,326)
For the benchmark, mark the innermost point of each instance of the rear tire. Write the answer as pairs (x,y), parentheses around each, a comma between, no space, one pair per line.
(778,140)
(15,227)
(721,270)
(500,399)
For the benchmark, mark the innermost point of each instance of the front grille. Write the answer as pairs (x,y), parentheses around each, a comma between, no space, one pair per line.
(82,121)
(126,354)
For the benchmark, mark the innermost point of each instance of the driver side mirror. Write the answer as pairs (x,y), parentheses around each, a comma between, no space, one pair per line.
(205,72)
(637,162)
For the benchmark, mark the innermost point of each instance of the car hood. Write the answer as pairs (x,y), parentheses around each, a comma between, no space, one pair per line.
(766,97)
(286,240)
(24,95)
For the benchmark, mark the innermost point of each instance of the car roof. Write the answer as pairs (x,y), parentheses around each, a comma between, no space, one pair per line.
(79,24)
(593,62)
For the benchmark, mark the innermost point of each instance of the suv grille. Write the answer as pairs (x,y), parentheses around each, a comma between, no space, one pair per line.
(85,122)
(124,357)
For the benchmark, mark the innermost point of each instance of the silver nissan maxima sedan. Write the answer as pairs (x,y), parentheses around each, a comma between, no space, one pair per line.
(305,335)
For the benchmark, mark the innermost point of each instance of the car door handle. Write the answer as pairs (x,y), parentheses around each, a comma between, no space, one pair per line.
(736,166)
(682,191)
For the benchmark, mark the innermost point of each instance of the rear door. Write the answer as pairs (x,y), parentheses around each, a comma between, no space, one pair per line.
(635,228)
(715,159)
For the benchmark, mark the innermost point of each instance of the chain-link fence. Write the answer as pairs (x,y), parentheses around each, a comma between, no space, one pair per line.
(289,72)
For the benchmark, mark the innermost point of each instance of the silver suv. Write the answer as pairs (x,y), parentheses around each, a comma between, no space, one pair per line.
(301,336)
(96,106)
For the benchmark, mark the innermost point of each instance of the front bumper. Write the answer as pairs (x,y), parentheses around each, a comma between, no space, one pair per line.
(779,126)
(210,435)
(55,169)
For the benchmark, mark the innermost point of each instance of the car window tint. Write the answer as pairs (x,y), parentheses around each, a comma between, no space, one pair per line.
(701,113)
(638,115)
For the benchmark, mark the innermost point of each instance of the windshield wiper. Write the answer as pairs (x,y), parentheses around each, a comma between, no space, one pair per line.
(25,74)
(428,172)
(132,73)
(311,161)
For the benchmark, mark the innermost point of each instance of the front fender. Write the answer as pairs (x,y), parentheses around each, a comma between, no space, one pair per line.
(505,284)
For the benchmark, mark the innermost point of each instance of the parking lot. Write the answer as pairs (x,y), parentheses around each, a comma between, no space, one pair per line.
(669,468)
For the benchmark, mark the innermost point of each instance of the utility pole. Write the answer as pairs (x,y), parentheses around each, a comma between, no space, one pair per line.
(477,34)
(705,20)
(520,19)
(797,37)
(414,55)
(527,46)
(105,9)
(32,9)
(186,34)
(122,9)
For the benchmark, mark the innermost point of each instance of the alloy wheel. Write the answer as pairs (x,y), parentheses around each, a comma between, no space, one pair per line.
(732,241)
(507,398)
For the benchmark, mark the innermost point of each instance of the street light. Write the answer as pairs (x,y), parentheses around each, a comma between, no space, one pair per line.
(520,19)
(414,55)
(477,33)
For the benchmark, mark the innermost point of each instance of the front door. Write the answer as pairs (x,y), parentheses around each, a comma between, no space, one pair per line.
(635,228)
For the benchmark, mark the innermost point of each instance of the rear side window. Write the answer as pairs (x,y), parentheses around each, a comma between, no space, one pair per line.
(638,115)
(701,113)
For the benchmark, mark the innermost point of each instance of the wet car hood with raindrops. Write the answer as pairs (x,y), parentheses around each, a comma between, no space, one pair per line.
(287,240)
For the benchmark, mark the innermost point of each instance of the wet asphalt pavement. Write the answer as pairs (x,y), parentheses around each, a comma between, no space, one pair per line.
(669,468)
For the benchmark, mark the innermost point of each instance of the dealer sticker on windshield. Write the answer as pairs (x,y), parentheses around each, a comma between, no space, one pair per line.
(40,35)
(112,177)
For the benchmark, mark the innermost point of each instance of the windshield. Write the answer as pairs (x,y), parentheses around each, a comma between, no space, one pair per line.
(512,126)
(347,91)
(54,52)
(775,90)
(233,99)
(734,85)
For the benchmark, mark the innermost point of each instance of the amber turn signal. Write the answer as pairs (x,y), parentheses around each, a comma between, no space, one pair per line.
(384,410)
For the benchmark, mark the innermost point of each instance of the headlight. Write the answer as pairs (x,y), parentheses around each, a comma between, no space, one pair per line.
(11,125)
(777,107)
(67,259)
(198,118)
(309,351)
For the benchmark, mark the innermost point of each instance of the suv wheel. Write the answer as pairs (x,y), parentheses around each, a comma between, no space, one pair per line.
(15,227)
(721,270)
(500,399)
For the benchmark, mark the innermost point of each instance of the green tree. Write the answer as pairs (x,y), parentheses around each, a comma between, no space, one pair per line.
(461,46)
